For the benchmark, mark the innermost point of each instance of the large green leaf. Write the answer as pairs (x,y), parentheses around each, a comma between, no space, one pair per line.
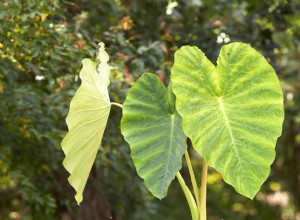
(87,118)
(152,127)
(233,113)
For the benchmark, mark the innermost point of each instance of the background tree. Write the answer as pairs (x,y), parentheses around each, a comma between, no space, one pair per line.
(42,44)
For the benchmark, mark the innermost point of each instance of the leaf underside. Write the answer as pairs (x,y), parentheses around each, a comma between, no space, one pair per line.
(233,113)
(86,120)
(152,127)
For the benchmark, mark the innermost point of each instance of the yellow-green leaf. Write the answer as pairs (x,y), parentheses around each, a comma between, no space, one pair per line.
(233,113)
(86,120)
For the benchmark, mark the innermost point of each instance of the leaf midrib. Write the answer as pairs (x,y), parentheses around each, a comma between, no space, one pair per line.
(172,116)
(227,124)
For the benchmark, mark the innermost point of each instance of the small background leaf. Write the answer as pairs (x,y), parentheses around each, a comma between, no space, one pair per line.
(233,113)
(87,118)
(152,127)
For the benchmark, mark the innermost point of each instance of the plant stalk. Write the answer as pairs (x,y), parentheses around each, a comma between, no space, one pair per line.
(116,104)
(193,179)
(189,197)
(203,191)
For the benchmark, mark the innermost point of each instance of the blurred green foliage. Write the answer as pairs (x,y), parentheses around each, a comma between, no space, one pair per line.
(42,44)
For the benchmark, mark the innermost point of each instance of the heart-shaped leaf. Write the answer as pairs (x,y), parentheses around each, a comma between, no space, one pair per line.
(233,113)
(152,127)
(86,120)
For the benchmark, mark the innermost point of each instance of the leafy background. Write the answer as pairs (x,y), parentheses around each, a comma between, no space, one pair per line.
(42,44)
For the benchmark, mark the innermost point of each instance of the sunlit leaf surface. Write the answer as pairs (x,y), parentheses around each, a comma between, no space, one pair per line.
(87,118)
(233,113)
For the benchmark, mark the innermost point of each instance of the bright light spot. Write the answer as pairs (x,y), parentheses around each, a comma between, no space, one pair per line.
(217,22)
(60,27)
(223,35)
(14,215)
(196,3)
(223,38)
(171,7)
(51,25)
(39,77)
(226,39)
(290,96)
(279,198)
(219,40)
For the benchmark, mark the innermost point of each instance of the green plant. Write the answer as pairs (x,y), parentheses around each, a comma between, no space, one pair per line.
(232,112)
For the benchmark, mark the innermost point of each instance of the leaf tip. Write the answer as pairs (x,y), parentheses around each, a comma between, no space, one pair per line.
(78,198)
(102,55)
(159,196)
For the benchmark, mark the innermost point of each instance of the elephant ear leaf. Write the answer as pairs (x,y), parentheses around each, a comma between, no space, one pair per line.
(86,120)
(233,113)
(152,127)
